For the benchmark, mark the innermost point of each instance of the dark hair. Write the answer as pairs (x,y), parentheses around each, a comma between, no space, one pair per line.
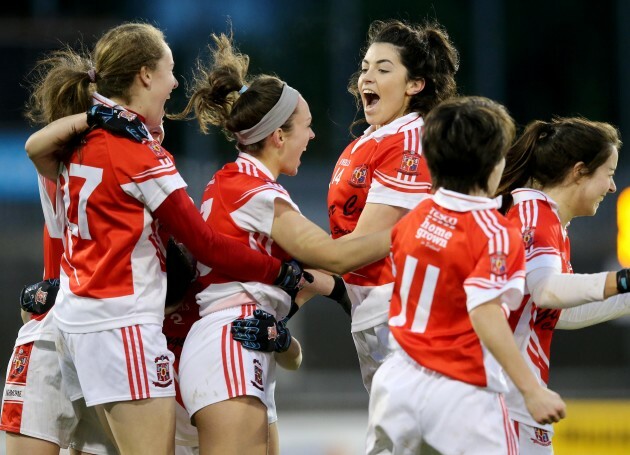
(426,52)
(463,140)
(215,98)
(61,84)
(547,151)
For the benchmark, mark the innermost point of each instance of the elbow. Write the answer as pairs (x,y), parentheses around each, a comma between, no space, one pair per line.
(30,149)
(547,300)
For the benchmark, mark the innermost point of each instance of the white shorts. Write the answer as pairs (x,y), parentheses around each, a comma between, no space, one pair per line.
(124,364)
(214,368)
(533,440)
(373,346)
(35,404)
(413,407)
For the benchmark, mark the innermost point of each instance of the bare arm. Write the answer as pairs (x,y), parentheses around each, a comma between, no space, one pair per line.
(43,145)
(322,284)
(377,217)
(310,244)
(291,359)
(490,324)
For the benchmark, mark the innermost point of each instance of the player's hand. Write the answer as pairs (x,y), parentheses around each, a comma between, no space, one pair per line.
(117,121)
(545,405)
(39,297)
(292,278)
(340,295)
(262,332)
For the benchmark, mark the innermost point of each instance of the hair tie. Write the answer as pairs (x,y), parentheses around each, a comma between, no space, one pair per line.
(243,89)
(92,75)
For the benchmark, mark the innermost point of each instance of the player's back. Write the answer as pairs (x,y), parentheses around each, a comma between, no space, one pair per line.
(111,268)
(451,253)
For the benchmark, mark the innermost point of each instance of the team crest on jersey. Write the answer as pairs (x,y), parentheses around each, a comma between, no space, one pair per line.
(258,375)
(163,370)
(20,361)
(409,163)
(156,148)
(359,176)
(498,264)
(542,437)
(528,237)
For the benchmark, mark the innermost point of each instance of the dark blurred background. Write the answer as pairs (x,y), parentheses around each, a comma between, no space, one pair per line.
(539,58)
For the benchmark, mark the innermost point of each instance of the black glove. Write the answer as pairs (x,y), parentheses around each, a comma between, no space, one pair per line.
(262,332)
(623,281)
(181,271)
(340,295)
(292,278)
(39,297)
(117,121)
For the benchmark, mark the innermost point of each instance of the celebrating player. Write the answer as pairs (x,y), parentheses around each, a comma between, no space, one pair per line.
(460,267)
(231,398)
(379,177)
(555,172)
(112,193)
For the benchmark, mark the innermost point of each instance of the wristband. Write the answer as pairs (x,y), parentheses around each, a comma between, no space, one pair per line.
(623,281)
(339,289)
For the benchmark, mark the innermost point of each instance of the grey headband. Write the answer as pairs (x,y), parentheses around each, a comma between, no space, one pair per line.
(273,119)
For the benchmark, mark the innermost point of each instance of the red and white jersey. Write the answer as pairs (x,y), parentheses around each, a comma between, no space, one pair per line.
(41,327)
(546,245)
(239,202)
(384,166)
(451,254)
(112,270)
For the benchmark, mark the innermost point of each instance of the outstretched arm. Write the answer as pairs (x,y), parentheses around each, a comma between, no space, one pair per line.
(551,289)
(594,313)
(311,245)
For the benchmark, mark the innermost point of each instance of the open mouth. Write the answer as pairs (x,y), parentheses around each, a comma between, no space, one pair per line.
(370,99)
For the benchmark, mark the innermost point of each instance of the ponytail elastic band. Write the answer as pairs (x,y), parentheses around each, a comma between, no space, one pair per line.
(243,89)
(92,75)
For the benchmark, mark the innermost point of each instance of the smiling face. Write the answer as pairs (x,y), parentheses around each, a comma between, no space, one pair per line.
(383,85)
(296,140)
(592,189)
(158,84)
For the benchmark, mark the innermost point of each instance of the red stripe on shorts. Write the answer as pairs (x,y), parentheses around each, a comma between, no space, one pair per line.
(143,363)
(224,336)
(129,370)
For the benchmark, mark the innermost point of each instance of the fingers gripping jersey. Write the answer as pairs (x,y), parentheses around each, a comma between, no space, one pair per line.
(384,166)
(452,253)
(239,202)
(546,245)
(112,275)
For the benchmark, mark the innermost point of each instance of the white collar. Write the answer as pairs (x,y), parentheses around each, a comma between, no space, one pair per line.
(403,123)
(460,202)
(528,194)
(256,162)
